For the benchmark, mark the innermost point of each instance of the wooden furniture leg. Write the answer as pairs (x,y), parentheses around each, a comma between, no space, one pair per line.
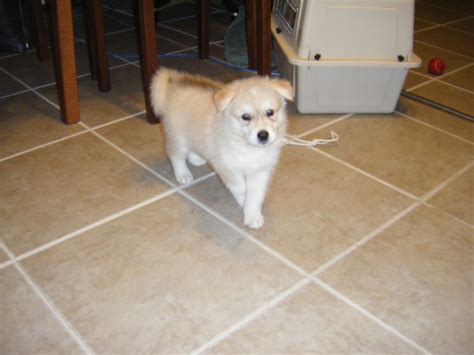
(264,39)
(203,28)
(90,38)
(100,60)
(41,39)
(251,31)
(147,49)
(66,79)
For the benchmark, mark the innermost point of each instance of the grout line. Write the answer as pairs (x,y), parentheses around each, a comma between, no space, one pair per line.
(94,225)
(33,90)
(117,19)
(252,316)
(10,55)
(366,239)
(434,127)
(446,182)
(6,263)
(439,7)
(43,145)
(456,86)
(68,327)
(14,94)
(245,234)
(318,128)
(445,24)
(369,315)
(54,82)
(129,156)
(211,12)
(120,31)
(103,221)
(88,130)
(438,78)
(289,263)
(467,224)
(363,172)
(179,31)
(444,49)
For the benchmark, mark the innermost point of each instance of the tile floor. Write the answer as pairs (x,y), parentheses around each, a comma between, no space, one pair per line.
(367,246)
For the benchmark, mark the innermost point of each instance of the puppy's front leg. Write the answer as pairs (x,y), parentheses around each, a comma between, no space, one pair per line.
(236,185)
(257,185)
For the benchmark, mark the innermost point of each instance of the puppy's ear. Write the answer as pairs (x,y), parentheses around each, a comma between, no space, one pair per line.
(223,97)
(283,87)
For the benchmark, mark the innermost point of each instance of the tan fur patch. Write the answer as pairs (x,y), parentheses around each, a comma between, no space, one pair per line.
(193,80)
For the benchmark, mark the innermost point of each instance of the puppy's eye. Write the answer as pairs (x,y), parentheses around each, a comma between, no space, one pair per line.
(246,117)
(270,113)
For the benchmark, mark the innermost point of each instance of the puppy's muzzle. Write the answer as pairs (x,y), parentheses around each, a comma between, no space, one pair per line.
(263,137)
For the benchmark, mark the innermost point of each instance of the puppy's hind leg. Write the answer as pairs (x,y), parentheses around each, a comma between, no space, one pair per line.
(177,155)
(196,159)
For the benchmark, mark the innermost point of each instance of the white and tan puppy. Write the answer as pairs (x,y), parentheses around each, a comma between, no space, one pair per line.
(238,128)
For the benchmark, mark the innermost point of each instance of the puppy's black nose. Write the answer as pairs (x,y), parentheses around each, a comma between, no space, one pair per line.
(262,136)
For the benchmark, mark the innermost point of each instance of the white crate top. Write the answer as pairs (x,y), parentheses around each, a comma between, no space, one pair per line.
(347,29)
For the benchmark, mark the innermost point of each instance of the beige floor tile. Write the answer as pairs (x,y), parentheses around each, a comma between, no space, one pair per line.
(312,321)
(315,209)
(111,24)
(125,44)
(448,38)
(452,60)
(3,257)
(418,277)
(413,79)
(466,7)
(163,279)
(449,96)
(28,327)
(300,123)
(436,14)
(217,26)
(463,78)
(8,85)
(28,121)
(178,36)
(177,11)
(437,118)
(464,25)
(458,197)
(400,151)
(422,24)
(146,143)
(30,70)
(96,107)
(58,189)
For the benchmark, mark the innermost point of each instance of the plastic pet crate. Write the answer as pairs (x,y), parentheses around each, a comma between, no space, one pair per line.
(344,56)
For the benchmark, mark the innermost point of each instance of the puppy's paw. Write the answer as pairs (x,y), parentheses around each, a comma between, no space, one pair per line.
(196,160)
(254,221)
(184,178)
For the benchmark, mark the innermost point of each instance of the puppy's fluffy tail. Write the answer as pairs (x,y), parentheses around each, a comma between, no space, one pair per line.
(159,88)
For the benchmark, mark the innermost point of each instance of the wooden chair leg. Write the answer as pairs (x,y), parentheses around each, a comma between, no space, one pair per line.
(251,31)
(90,39)
(264,39)
(66,78)
(41,37)
(94,10)
(203,28)
(147,49)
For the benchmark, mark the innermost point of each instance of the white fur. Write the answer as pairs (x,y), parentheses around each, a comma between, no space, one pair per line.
(202,121)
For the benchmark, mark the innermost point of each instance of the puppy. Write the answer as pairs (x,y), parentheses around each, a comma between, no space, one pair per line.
(238,128)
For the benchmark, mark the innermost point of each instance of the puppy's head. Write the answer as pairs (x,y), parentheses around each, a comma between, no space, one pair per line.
(255,108)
